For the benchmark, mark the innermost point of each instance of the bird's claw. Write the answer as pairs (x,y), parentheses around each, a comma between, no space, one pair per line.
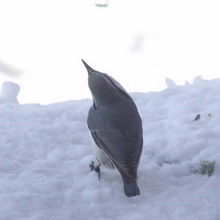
(92,166)
(96,169)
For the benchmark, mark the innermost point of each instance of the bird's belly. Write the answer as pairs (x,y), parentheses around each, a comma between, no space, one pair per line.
(101,156)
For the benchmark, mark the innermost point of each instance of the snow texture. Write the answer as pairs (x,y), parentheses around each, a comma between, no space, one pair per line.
(45,153)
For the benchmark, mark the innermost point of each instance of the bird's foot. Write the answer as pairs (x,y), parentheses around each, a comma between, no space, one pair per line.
(95,168)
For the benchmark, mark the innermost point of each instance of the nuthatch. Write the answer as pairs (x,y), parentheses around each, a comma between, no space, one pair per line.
(116,128)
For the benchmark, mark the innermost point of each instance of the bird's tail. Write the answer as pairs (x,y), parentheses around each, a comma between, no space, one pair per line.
(131,188)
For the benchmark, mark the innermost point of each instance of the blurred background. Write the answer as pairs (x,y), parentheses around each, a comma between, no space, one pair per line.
(138,42)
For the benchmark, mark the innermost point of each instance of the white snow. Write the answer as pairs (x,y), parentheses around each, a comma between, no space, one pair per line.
(170,83)
(45,153)
(9,92)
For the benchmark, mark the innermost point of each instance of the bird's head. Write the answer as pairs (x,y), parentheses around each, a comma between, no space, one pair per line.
(104,89)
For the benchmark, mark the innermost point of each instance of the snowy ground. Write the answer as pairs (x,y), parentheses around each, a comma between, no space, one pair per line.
(45,153)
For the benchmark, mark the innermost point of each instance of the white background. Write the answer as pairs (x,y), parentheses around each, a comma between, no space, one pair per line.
(138,42)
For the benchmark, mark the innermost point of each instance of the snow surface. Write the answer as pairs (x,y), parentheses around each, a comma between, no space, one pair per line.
(45,153)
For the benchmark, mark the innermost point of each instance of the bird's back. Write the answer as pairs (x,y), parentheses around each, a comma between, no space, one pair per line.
(123,117)
(117,130)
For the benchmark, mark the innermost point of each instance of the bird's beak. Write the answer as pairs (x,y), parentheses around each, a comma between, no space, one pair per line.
(89,69)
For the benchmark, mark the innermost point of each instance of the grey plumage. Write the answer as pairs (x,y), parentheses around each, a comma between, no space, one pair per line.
(115,126)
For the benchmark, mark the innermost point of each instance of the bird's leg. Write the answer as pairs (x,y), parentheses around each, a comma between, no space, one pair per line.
(92,166)
(96,169)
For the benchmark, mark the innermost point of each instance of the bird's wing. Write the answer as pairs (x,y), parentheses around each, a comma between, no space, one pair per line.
(123,151)
(121,141)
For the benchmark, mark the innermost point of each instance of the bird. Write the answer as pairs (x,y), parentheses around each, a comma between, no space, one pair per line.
(116,128)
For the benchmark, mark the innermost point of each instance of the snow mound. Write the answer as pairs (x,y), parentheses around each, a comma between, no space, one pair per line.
(170,83)
(9,92)
(45,153)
